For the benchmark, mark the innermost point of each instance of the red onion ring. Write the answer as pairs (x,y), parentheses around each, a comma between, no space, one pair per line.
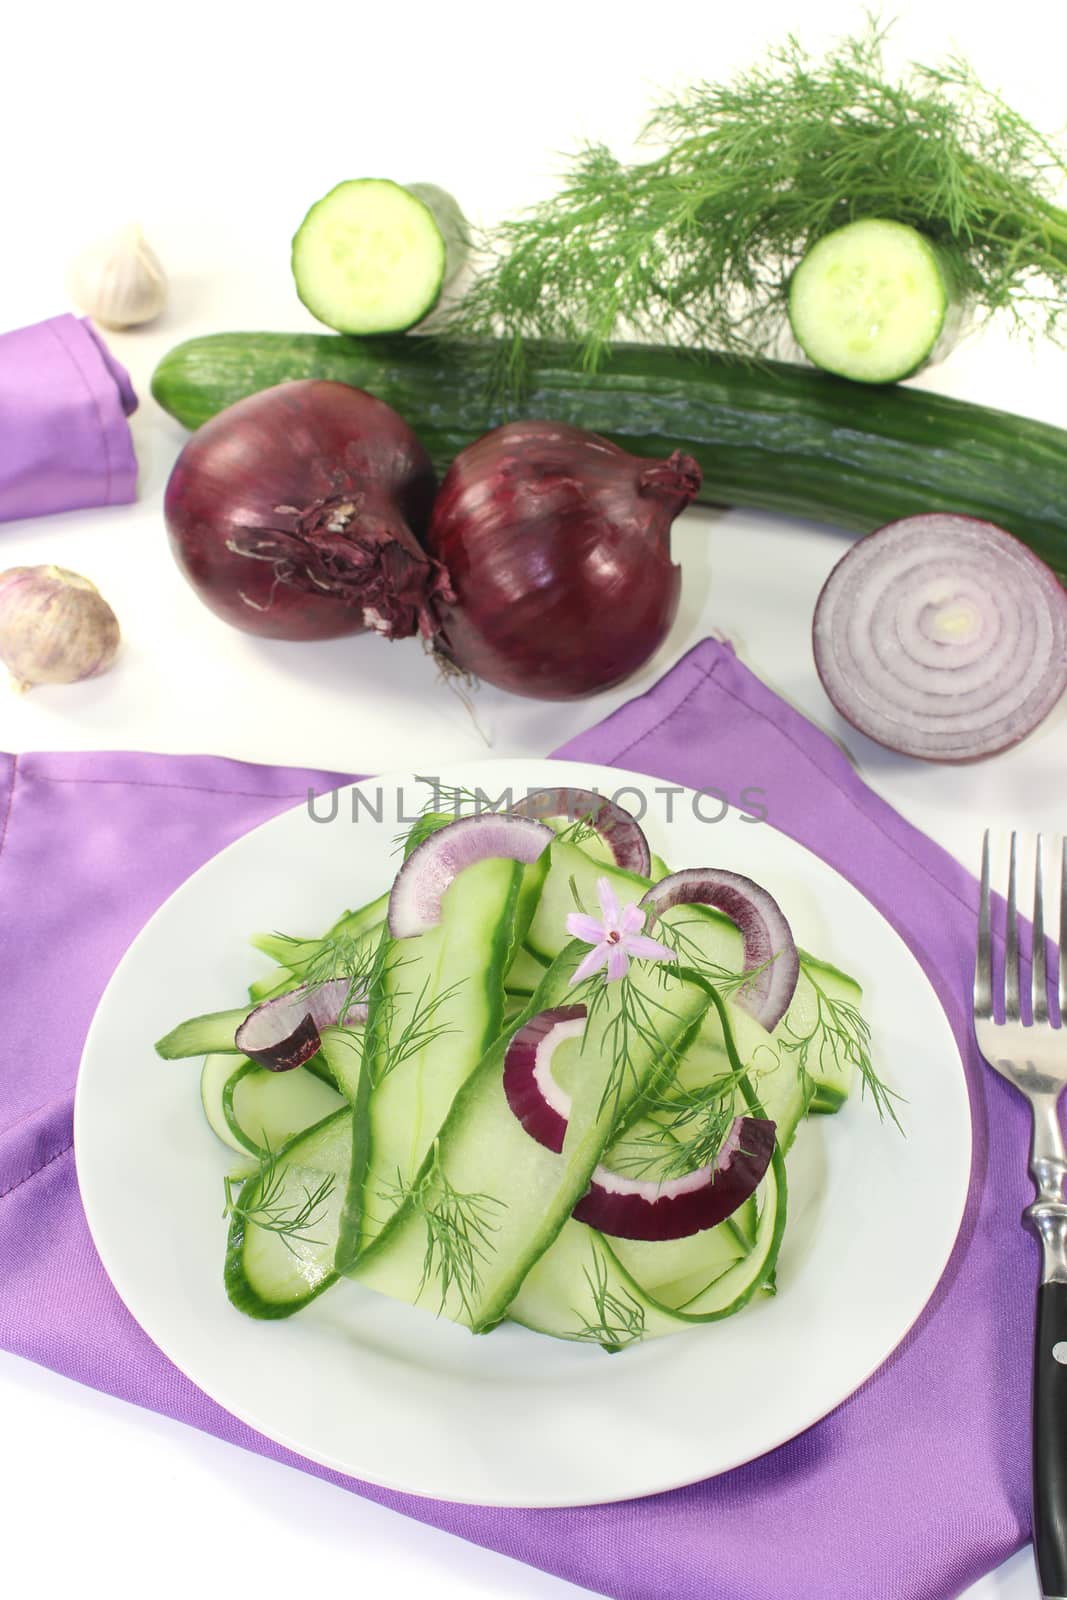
(620,831)
(419,886)
(767,938)
(942,637)
(283,1033)
(629,1208)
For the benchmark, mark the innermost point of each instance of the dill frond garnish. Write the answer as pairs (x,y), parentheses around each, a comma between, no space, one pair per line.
(268,1209)
(397,1030)
(619,1017)
(691,1126)
(839,1038)
(617,1321)
(459,1229)
(696,244)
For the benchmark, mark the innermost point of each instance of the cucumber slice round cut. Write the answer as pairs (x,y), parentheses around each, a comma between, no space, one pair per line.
(369,258)
(869,301)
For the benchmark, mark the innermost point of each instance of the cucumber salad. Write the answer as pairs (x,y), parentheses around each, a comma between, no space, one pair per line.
(543,1078)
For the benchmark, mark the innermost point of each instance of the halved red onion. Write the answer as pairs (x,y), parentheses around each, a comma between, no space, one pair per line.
(284,1032)
(629,1208)
(641,1208)
(619,830)
(767,939)
(415,899)
(942,637)
(532,1092)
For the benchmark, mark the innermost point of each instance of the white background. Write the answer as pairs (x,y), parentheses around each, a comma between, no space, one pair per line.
(216,126)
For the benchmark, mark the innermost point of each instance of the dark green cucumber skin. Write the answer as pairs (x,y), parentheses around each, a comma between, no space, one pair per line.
(774,436)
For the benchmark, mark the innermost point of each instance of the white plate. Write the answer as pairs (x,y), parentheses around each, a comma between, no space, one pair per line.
(388,1393)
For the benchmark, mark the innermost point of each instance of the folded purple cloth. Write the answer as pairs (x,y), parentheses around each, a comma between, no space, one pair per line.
(64,438)
(909,1491)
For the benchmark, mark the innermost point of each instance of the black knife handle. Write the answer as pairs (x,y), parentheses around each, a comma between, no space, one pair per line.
(1050,1440)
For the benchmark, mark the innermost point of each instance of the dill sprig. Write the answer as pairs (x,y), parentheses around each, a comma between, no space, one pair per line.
(696,245)
(692,1125)
(627,1017)
(459,1229)
(841,1037)
(618,1320)
(268,1209)
(393,1037)
(338,955)
(691,952)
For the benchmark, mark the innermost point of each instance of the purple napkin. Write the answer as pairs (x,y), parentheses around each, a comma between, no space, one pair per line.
(909,1491)
(64,438)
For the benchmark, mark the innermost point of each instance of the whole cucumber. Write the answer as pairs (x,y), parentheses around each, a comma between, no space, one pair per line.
(774,436)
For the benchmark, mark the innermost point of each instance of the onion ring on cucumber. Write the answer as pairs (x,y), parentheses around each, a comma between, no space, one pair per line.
(620,831)
(770,952)
(629,1208)
(419,886)
(283,1033)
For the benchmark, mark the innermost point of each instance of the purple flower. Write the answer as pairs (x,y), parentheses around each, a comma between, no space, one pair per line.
(615,938)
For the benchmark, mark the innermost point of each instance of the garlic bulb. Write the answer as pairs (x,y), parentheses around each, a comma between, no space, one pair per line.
(55,627)
(119,280)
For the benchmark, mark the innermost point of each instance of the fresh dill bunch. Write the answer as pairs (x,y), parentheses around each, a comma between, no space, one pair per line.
(696,245)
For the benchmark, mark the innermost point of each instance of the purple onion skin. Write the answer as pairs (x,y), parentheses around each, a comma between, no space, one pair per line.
(290,1052)
(274,472)
(557,544)
(678,1216)
(283,1033)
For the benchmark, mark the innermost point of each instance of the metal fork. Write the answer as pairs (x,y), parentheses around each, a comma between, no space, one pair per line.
(1032,1055)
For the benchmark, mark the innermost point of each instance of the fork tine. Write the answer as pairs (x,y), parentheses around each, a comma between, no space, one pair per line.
(983,966)
(1063,933)
(1011,945)
(1038,970)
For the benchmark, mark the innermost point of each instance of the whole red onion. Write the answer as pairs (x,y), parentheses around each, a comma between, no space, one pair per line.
(557,545)
(297,514)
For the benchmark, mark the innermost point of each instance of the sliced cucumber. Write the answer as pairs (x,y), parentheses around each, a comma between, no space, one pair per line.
(675,1269)
(354,934)
(870,301)
(434,1011)
(341,1053)
(203,1036)
(822,992)
(254,1111)
(525,972)
(571,881)
(581,1289)
(488,1182)
(272,1271)
(369,257)
(268,1109)
(215,1074)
